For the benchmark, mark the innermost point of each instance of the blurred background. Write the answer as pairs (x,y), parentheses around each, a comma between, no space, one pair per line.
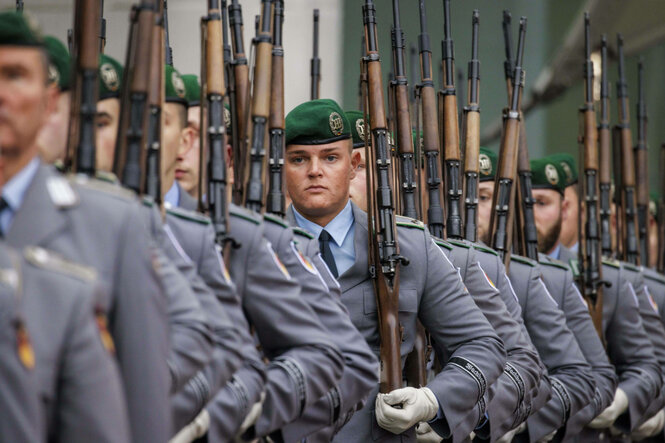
(553,54)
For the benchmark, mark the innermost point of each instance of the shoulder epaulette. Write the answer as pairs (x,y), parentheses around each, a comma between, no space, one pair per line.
(408,222)
(187,215)
(61,192)
(108,177)
(631,267)
(611,262)
(246,214)
(655,276)
(442,243)
(148,201)
(44,259)
(303,232)
(103,186)
(523,260)
(459,243)
(485,249)
(574,266)
(549,261)
(276,220)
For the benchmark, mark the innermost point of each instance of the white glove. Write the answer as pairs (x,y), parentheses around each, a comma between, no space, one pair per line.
(607,417)
(197,428)
(425,434)
(650,427)
(548,438)
(508,436)
(251,418)
(400,409)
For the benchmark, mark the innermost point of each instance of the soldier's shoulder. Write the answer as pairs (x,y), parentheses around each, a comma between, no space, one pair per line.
(654,276)
(241,213)
(459,243)
(523,260)
(275,220)
(409,223)
(485,249)
(300,232)
(631,267)
(442,243)
(101,187)
(612,262)
(186,215)
(50,261)
(546,260)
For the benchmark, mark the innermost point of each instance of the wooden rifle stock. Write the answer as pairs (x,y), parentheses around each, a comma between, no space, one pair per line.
(628,191)
(471,133)
(153,183)
(642,169)
(450,127)
(605,156)
(501,221)
(275,203)
(589,253)
(315,63)
(254,188)
(383,231)
(431,140)
(240,108)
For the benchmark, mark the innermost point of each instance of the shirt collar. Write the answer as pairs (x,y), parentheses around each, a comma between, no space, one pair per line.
(14,190)
(172,196)
(338,227)
(556,253)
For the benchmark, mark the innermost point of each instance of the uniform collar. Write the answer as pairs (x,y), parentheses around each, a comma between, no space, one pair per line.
(14,190)
(556,253)
(172,196)
(338,227)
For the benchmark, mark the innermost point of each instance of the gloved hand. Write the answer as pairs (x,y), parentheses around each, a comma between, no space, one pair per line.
(195,429)
(400,409)
(251,417)
(508,436)
(607,417)
(650,427)
(425,434)
(547,438)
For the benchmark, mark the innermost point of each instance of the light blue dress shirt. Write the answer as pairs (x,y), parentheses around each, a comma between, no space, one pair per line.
(341,229)
(575,247)
(172,196)
(556,253)
(14,192)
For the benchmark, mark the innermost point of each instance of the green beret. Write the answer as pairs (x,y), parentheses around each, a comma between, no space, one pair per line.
(193,89)
(110,77)
(317,122)
(568,165)
(547,174)
(18,29)
(358,129)
(60,66)
(488,160)
(174,86)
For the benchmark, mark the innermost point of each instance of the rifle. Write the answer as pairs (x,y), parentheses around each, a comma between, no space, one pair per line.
(239,108)
(509,63)
(642,169)
(228,58)
(168,50)
(605,154)
(661,215)
(414,69)
(590,251)
(315,63)
(260,109)
(622,131)
(213,133)
(471,133)
(84,101)
(153,144)
(431,146)
(450,126)
(102,28)
(501,221)
(383,244)
(403,132)
(275,203)
(19,6)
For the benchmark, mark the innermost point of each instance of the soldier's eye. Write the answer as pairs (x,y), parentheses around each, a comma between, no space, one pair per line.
(331,158)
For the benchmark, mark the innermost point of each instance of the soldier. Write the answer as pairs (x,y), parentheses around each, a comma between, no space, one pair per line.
(623,323)
(187,167)
(108,111)
(52,138)
(511,394)
(569,227)
(319,166)
(78,221)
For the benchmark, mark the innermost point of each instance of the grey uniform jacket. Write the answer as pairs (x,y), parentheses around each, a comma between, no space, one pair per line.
(656,284)
(304,362)
(570,375)
(79,385)
(431,291)
(360,364)
(510,394)
(560,282)
(103,228)
(195,239)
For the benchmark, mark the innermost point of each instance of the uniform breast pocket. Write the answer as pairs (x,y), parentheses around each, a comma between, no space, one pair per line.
(408,313)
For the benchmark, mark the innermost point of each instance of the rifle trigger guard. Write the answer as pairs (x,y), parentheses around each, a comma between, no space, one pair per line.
(403,260)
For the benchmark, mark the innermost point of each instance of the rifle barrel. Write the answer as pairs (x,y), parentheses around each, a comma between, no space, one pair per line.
(275,203)
(605,155)
(315,64)
(642,168)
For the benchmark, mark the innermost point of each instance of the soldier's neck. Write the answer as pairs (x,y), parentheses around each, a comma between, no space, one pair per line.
(12,161)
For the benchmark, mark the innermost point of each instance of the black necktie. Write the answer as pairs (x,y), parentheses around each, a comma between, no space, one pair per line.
(3,205)
(326,253)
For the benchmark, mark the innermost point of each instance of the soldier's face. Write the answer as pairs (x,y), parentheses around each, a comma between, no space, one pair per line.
(485,194)
(172,138)
(187,164)
(106,122)
(547,212)
(52,138)
(358,189)
(26,101)
(569,226)
(318,178)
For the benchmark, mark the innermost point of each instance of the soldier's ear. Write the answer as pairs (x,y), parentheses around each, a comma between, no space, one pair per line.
(187,137)
(355,161)
(565,204)
(52,93)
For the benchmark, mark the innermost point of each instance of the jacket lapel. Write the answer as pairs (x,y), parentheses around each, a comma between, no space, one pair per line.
(38,219)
